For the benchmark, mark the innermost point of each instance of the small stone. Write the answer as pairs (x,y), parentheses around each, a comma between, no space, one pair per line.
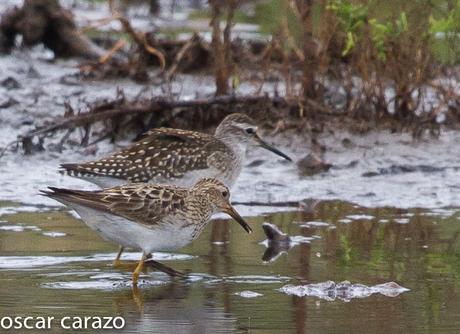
(10,83)
(312,164)
(347,143)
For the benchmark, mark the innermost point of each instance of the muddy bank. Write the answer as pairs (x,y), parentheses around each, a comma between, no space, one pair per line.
(399,106)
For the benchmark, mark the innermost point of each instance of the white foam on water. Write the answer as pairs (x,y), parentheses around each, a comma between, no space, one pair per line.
(344,291)
(18,228)
(401,220)
(12,228)
(360,217)
(54,234)
(313,224)
(256,279)
(101,284)
(248,294)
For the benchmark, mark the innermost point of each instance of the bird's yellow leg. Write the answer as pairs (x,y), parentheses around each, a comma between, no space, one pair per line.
(138,299)
(138,269)
(117,262)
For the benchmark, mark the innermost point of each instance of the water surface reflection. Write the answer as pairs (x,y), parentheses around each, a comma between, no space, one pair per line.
(70,273)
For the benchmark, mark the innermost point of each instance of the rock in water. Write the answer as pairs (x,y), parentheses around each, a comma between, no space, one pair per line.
(312,164)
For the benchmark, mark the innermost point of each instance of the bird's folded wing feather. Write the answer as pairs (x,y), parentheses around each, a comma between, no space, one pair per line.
(145,204)
(162,153)
(171,153)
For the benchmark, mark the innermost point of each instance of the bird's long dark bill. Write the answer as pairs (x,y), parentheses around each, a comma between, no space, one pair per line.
(271,148)
(235,215)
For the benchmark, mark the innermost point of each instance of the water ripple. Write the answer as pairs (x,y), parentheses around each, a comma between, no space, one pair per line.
(31,262)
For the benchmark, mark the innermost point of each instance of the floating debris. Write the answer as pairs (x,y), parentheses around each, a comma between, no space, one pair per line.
(248,294)
(344,291)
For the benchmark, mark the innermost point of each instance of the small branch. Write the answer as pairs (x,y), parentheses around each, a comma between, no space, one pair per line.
(118,45)
(180,56)
(140,39)
(102,113)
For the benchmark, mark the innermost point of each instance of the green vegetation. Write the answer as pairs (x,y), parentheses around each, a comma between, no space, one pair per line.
(390,22)
(446,30)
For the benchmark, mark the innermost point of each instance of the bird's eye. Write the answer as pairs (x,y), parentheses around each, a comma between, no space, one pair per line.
(224,193)
(250,131)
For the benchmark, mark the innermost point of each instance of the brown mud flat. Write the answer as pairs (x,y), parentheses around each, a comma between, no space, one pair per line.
(119,117)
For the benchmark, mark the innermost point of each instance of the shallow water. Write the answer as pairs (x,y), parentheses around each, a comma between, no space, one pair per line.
(52,264)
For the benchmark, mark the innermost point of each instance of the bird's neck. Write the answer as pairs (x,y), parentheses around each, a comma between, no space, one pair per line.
(198,205)
(236,144)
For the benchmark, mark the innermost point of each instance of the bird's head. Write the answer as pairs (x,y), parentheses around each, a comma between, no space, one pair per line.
(214,193)
(241,130)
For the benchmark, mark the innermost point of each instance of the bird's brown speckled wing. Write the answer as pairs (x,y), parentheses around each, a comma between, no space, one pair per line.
(162,153)
(145,204)
(218,159)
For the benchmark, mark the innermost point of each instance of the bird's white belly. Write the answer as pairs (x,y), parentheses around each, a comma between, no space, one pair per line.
(124,232)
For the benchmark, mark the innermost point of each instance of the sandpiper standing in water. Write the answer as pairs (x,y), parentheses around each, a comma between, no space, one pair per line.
(178,157)
(150,217)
